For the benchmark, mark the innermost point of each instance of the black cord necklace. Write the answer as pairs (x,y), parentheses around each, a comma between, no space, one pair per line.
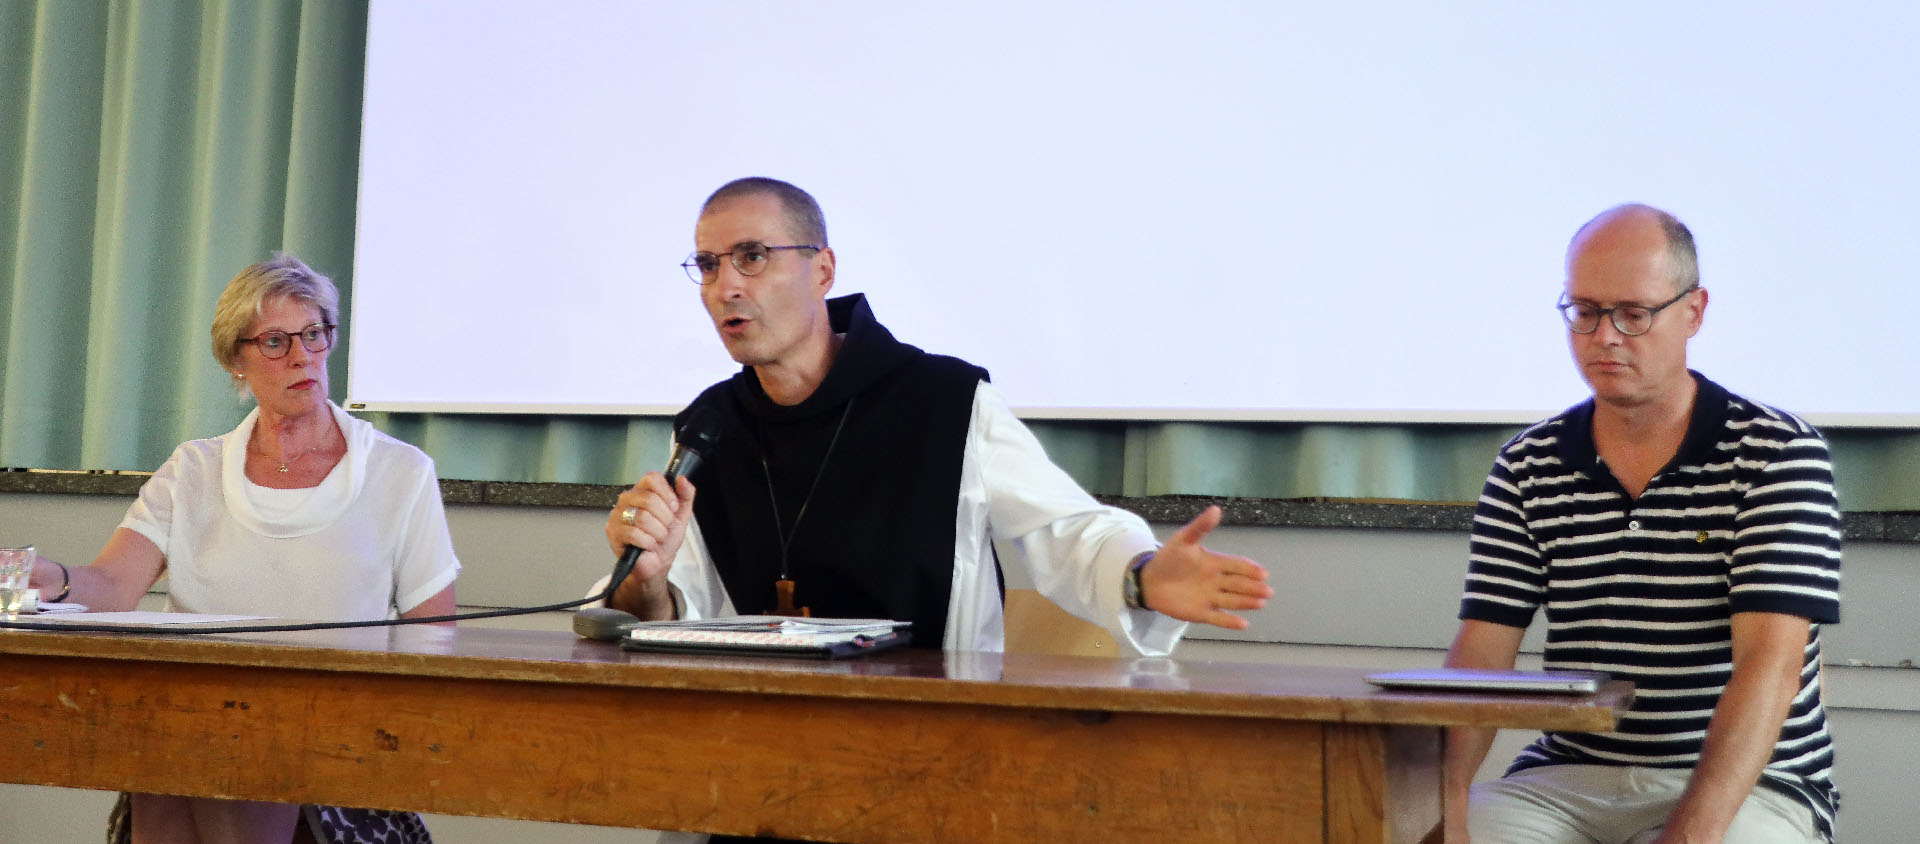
(783,588)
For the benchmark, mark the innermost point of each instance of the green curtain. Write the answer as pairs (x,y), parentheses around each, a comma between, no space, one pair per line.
(151,148)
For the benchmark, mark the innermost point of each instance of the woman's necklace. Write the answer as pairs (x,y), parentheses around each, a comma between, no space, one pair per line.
(284,464)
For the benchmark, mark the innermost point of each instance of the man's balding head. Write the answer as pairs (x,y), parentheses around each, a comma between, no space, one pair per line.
(1636,263)
(804,220)
(1633,226)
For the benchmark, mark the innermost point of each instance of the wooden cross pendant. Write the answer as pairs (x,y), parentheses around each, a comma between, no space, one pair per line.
(783,597)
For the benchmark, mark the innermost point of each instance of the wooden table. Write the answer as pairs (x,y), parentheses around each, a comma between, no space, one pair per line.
(904,746)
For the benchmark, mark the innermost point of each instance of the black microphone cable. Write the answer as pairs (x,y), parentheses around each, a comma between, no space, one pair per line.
(236,627)
(698,435)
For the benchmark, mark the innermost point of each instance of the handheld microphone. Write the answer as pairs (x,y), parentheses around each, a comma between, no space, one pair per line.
(697,436)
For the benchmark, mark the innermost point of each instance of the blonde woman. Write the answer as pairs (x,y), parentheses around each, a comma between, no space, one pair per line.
(301,512)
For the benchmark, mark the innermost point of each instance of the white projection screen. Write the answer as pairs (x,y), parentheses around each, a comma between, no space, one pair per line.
(1262,211)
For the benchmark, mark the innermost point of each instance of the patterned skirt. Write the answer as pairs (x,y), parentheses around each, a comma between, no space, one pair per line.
(318,824)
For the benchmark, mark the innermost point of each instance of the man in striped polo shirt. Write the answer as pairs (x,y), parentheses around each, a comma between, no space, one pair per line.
(1678,536)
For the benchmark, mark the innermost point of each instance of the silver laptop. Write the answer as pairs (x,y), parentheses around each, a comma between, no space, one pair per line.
(1486,680)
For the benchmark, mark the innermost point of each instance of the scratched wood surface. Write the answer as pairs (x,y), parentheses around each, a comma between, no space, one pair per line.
(1169,686)
(917,746)
(877,771)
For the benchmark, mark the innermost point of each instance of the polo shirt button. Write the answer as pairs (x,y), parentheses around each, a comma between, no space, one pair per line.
(1633,525)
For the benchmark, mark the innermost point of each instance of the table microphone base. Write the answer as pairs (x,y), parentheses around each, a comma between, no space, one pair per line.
(603,624)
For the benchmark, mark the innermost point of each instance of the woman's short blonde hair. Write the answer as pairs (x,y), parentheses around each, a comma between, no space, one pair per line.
(248,293)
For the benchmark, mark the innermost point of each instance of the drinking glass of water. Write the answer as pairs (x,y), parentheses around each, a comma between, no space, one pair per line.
(16,566)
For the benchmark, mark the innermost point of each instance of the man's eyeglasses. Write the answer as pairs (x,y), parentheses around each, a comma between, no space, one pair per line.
(749,258)
(274,345)
(1630,320)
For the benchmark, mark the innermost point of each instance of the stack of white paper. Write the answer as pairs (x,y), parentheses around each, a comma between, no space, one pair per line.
(766,631)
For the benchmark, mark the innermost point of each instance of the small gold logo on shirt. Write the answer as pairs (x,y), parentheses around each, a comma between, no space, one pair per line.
(1701,537)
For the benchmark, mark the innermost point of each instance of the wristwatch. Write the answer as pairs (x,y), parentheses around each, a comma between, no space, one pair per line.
(1130,589)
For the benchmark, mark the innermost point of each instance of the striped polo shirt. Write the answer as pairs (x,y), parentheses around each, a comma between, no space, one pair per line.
(1744,519)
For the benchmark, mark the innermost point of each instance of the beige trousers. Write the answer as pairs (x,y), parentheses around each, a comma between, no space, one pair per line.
(1616,804)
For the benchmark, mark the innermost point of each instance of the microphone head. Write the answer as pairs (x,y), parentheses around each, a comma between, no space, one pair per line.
(694,439)
(699,430)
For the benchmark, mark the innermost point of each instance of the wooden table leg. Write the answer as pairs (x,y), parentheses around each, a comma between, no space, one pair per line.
(1383,783)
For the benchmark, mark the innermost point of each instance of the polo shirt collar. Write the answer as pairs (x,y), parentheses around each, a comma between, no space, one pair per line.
(1704,426)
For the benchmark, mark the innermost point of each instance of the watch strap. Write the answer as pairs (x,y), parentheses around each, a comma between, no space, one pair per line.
(1132,590)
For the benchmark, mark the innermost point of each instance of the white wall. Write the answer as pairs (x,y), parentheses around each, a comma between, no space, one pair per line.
(1374,193)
